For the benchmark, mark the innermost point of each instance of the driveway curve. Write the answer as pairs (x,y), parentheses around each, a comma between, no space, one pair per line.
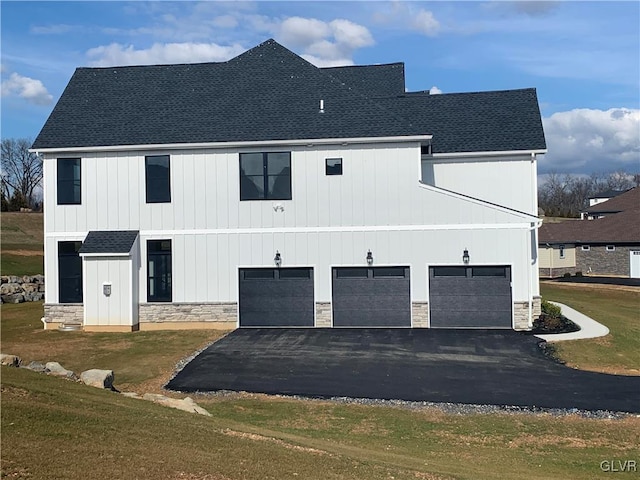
(458,366)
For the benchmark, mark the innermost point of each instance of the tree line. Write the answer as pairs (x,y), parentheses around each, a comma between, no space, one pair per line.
(567,195)
(21,176)
(559,195)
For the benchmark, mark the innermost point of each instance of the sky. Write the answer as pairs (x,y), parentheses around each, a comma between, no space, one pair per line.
(582,57)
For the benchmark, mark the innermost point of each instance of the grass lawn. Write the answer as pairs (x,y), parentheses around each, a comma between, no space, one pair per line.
(56,429)
(22,246)
(619,310)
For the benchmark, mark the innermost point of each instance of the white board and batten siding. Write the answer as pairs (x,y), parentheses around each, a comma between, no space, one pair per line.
(378,203)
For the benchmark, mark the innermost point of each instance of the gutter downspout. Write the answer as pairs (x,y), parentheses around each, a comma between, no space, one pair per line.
(534,226)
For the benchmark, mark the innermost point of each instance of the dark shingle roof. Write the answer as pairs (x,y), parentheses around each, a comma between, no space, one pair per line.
(476,122)
(375,80)
(621,228)
(623,202)
(109,241)
(270,93)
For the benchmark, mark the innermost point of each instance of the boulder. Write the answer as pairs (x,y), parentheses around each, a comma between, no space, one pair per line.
(54,368)
(12,298)
(98,378)
(9,288)
(4,279)
(36,367)
(10,360)
(186,404)
(29,287)
(14,279)
(38,279)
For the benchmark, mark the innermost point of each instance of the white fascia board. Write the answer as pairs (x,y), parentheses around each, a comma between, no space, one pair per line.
(504,153)
(105,254)
(309,142)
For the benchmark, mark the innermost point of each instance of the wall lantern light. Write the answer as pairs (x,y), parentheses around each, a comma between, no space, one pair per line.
(277,259)
(369,258)
(465,256)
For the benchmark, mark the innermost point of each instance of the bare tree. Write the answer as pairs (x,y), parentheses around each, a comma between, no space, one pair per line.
(21,170)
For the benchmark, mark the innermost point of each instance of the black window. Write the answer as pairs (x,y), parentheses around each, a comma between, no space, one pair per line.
(333,166)
(259,273)
(265,176)
(69,272)
(68,181)
(158,178)
(489,272)
(158,270)
(449,271)
(389,272)
(351,272)
(295,273)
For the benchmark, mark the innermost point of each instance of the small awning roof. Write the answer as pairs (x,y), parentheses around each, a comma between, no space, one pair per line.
(108,242)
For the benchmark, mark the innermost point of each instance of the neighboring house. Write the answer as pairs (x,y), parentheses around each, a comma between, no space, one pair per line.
(604,196)
(609,244)
(264,191)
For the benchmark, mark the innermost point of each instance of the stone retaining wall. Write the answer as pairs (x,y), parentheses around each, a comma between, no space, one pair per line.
(18,289)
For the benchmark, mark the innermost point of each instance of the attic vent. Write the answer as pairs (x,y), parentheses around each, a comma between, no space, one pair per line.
(321,106)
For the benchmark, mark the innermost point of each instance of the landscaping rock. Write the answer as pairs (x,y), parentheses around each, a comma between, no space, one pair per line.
(4,279)
(98,378)
(38,279)
(10,360)
(36,367)
(186,404)
(9,288)
(131,394)
(54,368)
(13,298)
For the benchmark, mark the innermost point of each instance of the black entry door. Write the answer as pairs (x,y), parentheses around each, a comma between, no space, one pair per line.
(276,297)
(371,297)
(470,297)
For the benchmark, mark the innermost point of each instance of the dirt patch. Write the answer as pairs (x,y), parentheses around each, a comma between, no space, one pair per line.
(15,392)
(24,253)
(592,286)
(277,441)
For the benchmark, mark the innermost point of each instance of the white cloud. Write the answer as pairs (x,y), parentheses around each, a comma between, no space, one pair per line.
(435,90)
(30,89)
(118,54)
(351,35)
(587,140)
(425,23)
(400,15)
(325,44)
(225,21)
(302,32)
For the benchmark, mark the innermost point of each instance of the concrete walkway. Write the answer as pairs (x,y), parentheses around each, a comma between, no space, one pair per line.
(589,328)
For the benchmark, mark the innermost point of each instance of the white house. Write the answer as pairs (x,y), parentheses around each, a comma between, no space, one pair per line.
(264,191)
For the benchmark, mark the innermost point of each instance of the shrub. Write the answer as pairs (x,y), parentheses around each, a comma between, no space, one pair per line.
(566,275)
(551,310)
(578,274)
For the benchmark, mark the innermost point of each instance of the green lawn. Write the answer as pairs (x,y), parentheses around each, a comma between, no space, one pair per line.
(619,310)
(22,246)
(56,429)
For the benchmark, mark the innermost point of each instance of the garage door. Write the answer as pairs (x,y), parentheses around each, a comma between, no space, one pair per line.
(276,297)
(371,297)
(470,297)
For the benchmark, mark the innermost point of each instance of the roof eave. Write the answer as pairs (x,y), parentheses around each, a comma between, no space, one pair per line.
(253,143)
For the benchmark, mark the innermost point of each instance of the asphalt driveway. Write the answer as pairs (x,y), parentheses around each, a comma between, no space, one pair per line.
(458,366)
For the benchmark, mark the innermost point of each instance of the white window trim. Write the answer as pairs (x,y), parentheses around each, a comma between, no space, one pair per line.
(586,248)
(610,248)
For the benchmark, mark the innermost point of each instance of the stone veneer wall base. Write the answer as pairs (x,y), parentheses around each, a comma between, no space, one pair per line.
(323,314)
(58,313)
(185,313)
(420,314)
(521,313)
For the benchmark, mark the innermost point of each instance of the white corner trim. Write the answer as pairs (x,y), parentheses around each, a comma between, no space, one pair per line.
(213,145)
